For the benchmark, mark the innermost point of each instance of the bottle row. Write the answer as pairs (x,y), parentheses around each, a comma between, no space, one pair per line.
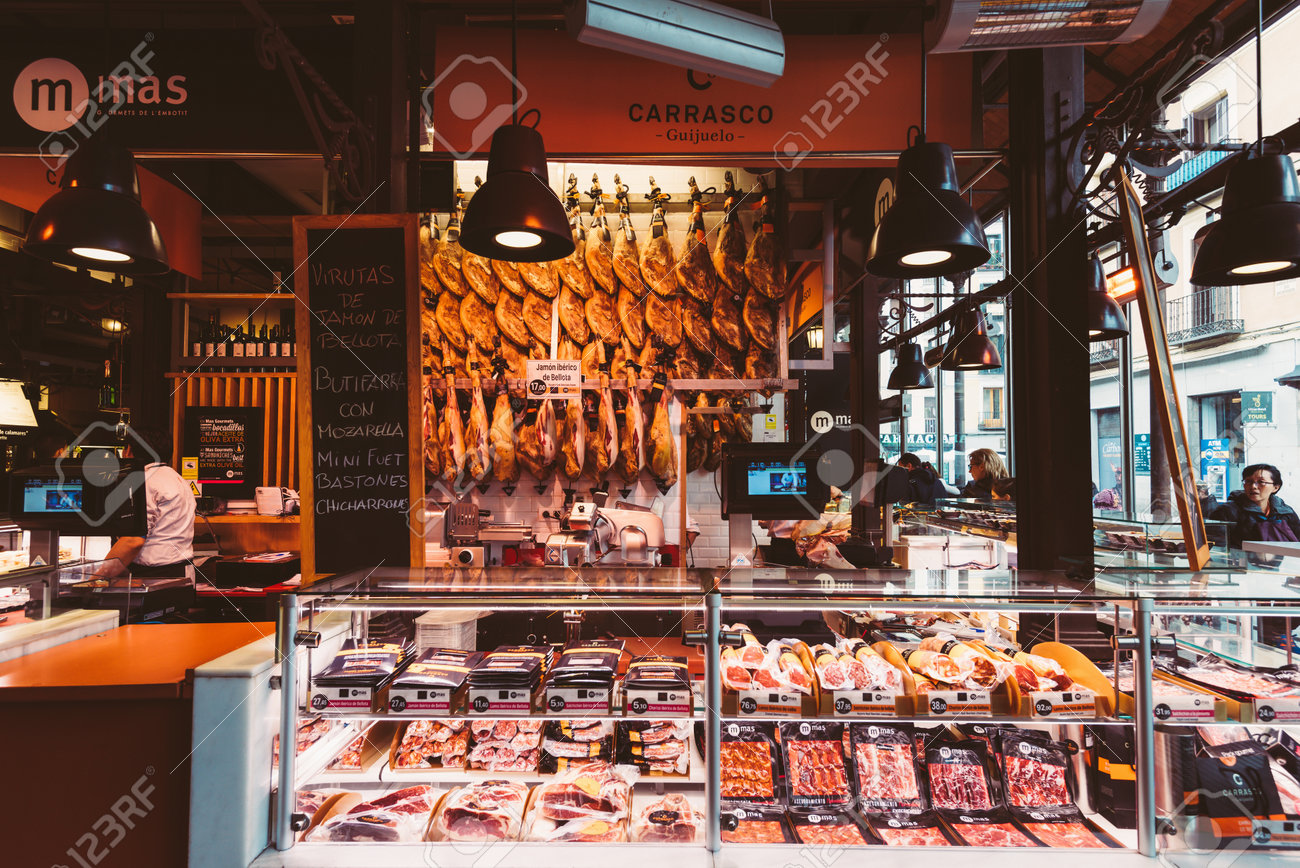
(218,341)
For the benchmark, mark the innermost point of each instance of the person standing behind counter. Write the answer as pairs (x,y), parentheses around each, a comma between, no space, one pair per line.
(986,467)
(167,548)
(1256,512)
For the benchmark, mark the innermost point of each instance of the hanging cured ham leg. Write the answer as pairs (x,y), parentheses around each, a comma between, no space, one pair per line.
(452,432)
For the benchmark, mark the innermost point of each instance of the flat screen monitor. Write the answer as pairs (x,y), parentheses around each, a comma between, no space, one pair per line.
(15,408)
(772,481)
(111,502)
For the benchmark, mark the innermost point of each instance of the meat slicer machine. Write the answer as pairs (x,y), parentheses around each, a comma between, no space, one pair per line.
(622,535)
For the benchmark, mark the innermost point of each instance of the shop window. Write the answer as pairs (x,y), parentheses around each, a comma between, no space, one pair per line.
(1110,446)
(991,412)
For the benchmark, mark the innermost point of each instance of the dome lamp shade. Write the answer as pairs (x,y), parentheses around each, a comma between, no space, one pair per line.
(1257,238)
(910,372)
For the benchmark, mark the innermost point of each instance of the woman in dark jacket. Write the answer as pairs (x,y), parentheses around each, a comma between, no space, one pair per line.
(986,467)
(1256,512)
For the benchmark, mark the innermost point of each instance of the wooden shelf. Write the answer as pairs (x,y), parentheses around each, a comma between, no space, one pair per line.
(251,518)
(284,297)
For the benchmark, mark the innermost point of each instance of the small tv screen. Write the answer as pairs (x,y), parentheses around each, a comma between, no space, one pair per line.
(49,495)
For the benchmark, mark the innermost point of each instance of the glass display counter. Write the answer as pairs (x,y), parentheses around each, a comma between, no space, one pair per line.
(872,709)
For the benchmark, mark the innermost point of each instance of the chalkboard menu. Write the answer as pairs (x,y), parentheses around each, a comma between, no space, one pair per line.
(227,445)
(355,280)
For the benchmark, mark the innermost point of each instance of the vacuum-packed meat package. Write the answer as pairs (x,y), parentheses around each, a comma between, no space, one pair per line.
(671,819)
(838,828)
(511,666)
(1034,774)
(309,732)
(400,816)
(885,765)
(590,804)
(505,745)
(355,752)
(750,762)
(910,830)
(362,665)
(987,829)
(1239,682)
(755,824)
(583,739)
(1061,827)
(440,668)
(657,672)
(587,664)
(426,744)
(655,746)
(814,763)
(652,731)
(958,774)
(482,811)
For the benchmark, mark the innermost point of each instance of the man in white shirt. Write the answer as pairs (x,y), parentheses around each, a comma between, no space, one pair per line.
(168,544)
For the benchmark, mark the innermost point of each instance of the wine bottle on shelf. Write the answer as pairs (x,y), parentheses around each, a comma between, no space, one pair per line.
(287,347)
(273,345)
(259,347)
(239,343)
(195,348)
(223,342)
(210,337)
(109,398)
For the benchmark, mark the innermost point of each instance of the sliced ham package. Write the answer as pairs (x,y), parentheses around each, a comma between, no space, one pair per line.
(886,769)
(1238,682)
(591,804)
(519,666)
(959,777)
(755,824)
(910,830)
(670,819)
(815,773)
(587,664)
(986,829)
(751,762)
(1061,827)
(439,667)
(360,665)
(400,816)
(830,827)
(482,811)
(1035,773)
(657,672)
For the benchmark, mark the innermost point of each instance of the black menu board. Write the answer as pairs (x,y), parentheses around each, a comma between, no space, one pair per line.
(227,443)
(359,392)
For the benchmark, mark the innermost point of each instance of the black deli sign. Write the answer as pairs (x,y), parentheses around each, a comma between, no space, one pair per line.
(227,443)
(357,422)
(165,90)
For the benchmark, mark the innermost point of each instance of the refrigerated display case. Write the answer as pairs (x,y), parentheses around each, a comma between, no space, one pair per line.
(1081,746)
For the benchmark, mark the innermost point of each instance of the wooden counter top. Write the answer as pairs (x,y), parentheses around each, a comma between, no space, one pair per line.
(139,661)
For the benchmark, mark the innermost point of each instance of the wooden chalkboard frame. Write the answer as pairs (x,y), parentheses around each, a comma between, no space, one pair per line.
(302,326)
(1170,410)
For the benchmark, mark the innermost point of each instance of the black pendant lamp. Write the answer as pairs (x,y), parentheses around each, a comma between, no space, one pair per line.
(1106,320)
(516,216)
(96,219)
(910,372)
(969,347)
(930,230)
(1257,237)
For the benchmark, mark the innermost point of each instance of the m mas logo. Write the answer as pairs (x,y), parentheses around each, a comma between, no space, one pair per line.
(51,94)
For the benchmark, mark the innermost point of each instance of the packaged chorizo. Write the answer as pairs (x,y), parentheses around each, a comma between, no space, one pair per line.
(754,824)
(830,827)
(751,762)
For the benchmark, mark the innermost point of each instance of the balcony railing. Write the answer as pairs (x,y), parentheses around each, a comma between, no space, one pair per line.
(1192,166)
(1104,352)
(1207,313)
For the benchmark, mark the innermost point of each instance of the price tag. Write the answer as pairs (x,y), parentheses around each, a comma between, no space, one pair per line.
(1276,833)
(1057,703)
(652,703)
(866,703)
(553,378)
(340,700)
(1188,707)
(419,699)
(498,701)
(1277,709)
(769,703)
(950,703)
(577,699)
